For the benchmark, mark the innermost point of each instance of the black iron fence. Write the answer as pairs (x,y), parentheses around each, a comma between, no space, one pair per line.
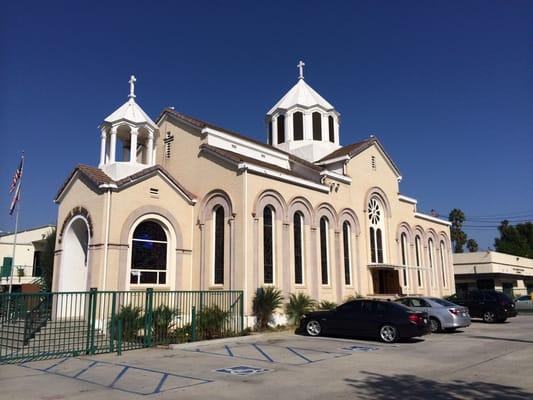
(45,325)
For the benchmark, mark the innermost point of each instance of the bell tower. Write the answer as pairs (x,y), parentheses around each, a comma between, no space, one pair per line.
(303,122)
(128,137)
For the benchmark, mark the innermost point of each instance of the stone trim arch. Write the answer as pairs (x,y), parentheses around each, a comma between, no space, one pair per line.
(326,209)
(376,191)
(304,206)
(76,211)
(210,201)
(347,214)
(274,199)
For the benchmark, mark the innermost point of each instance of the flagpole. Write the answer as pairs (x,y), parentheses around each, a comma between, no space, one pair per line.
(14,244)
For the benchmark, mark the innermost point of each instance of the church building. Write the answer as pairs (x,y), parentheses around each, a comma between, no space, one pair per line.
(178,203)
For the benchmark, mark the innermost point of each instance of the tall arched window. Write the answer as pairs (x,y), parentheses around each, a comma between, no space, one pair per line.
(149,254)
(431,254)
(298,125)
(418,260)
(347,252)
(317,126)
(298,248)
(218,246)
(281,128)
(324,250)
(443,265)
(270,133)
(268,245)
(376,221)
(403,244)
(331,128)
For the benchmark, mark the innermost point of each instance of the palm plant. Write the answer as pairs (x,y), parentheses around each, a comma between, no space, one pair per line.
(211,322)
(352,297)
(298,305)
(266,301)
(162,319)
(326,305)
(132,321)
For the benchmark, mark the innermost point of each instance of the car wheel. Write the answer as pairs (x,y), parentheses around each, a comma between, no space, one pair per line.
(434,325)
(489,317)
(388,333)
(313,328)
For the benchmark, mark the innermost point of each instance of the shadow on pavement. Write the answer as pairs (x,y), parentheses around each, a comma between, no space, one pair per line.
(378,387)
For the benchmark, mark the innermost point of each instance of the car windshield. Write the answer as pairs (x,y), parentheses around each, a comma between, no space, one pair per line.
(442,302)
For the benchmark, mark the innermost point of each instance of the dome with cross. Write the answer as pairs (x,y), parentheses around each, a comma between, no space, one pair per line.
(303,122)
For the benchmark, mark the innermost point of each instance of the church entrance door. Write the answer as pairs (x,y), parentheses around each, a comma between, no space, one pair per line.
(386,281)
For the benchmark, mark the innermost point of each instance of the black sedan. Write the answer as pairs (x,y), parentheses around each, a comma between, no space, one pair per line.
(386,320)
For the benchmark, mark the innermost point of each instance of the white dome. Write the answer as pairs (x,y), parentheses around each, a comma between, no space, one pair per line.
(301,95)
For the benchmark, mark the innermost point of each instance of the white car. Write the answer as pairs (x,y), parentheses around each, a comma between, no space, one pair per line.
(524,303)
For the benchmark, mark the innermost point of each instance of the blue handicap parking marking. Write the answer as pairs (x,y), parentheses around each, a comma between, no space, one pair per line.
(359,348)
(290,355)
(126,378)
(242,370)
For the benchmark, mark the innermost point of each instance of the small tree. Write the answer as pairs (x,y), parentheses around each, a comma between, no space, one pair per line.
(266,301)
(472,245)
(515,239)
(298,305)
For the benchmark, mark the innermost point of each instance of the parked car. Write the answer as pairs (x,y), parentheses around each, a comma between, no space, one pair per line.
(490,305)
(386,320)
(443,314)
(524,303)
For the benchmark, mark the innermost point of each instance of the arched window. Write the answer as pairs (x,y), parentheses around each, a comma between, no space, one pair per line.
(317,126)
(324,250)
(218,246)
(268,245)
(403,244)
(331,129)
(376,217)
(298,125)
(443,265)
(431,254)
(270,133)
(298,248)
(347,252)
(418,260)
(149,254)
(281,128)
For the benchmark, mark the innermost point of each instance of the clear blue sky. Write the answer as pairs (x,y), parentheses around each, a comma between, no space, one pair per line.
(446,86)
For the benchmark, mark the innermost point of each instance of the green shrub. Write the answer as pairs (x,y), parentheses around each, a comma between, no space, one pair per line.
(132,321)
(326,305)
(298,305)
(266,301)
(210,322)
(162,319)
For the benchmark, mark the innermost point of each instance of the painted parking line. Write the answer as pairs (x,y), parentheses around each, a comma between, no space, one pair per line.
(122,377)
(290,355)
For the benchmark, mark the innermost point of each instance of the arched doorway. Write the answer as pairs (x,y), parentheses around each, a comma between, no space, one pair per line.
(75,243)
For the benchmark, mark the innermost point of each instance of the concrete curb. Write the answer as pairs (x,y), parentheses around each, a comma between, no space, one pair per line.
(233,339)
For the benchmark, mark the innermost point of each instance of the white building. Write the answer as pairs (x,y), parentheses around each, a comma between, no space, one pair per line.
(492,270)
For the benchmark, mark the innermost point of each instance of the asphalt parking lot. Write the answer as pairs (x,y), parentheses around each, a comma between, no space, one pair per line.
(480,362)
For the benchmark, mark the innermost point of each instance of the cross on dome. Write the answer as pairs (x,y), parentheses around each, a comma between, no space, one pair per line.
(132,86)
(300,66)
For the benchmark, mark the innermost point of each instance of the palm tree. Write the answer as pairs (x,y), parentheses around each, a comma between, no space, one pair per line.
(266,301)
(298,305)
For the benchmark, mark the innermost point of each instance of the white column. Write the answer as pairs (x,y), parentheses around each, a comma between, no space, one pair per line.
(289,131)
(150,148)
(113,144)
(336,123)
(274,131)
(308,125)
(103,138)
(133,144)
(325,128)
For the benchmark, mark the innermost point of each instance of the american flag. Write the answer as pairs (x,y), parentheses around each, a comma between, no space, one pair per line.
(17,175)
(15,185)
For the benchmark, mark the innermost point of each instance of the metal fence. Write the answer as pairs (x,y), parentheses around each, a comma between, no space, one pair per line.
(46,325)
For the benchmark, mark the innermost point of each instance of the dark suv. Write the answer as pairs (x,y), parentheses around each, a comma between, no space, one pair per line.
(490,305)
